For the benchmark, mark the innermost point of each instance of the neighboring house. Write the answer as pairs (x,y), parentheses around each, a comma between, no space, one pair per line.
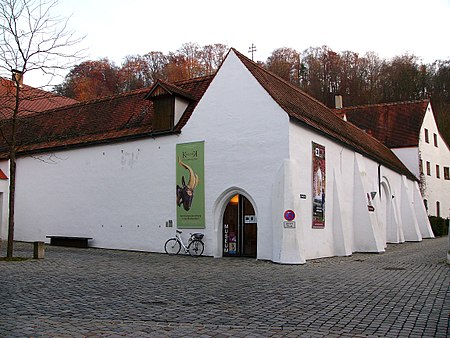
(258,166)
(410,131)
(32,100)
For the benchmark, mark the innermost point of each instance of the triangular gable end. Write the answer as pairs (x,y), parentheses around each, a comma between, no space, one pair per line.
(429,115)
(157,90)
(161,88)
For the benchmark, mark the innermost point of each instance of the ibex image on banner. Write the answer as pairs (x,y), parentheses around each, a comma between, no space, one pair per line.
(190,185)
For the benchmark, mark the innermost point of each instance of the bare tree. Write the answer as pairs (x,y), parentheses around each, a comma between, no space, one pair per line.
(157,63)
(134,73)
(32,39)
(92,79)
(285,62)
(212,56)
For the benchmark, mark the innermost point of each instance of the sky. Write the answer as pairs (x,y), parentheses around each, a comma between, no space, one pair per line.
(117,28)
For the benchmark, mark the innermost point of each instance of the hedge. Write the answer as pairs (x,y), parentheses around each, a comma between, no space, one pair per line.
(439,225)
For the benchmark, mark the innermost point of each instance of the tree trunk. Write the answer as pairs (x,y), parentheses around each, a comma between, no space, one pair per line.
(12,190)
(12,172)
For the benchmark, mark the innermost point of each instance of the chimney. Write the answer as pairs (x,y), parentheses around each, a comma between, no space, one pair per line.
(17,77)
(338,101)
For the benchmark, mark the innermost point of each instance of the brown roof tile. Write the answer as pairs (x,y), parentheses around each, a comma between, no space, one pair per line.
(397,124)
(32,100)
(128,115)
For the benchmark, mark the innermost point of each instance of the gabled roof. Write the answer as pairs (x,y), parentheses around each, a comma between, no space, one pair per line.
(306,110)
(162,87)
(32,100)
(114,118)
(397,125)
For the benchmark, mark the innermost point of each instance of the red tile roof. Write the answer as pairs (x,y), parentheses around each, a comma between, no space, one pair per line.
(118,117)
(396,125)
(308,111)
(32,100)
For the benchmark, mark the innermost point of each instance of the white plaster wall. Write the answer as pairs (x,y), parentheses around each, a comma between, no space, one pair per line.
(246,141)
(368,229)
(180,107)
(408,210)
(4,195)
(436,189)
(340,177)
(119,194)
(288,242)
(349,226)
(389,200)
(319,242)
(410,158)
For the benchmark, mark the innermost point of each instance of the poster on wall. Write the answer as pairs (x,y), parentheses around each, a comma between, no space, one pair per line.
(318,185)
(190,188)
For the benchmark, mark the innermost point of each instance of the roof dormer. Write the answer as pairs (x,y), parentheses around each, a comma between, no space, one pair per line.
(169,104)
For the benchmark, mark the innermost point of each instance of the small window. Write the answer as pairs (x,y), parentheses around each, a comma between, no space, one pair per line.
(427,140)
(446,173)
(425,202)
(163,107)
(428,168)
(420,166)
(435,140)
(438,209)
(438,174)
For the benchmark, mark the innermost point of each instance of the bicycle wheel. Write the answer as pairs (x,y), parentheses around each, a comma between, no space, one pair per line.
(196,248)
(172,246)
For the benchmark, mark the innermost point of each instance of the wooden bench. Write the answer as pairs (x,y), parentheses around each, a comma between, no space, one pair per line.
(78,242)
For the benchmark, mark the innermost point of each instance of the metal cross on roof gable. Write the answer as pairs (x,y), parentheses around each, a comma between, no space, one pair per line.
(252,49)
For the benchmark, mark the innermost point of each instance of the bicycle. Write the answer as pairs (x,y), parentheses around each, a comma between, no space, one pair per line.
(194,246)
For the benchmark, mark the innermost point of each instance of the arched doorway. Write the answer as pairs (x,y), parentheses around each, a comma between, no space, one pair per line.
(239,228)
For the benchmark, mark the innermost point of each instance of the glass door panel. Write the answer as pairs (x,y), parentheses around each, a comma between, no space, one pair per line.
(239,228)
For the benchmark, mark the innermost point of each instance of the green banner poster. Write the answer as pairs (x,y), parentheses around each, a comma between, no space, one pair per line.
(319,184)
(190,176)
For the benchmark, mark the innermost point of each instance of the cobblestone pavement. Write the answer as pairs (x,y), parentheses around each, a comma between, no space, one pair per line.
(104,293)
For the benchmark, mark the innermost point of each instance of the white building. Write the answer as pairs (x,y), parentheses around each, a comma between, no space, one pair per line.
(409,129)
(263,169)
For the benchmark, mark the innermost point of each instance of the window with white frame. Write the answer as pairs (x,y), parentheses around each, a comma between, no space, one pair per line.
(446,173)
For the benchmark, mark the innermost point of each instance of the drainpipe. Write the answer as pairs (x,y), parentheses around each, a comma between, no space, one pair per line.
(379,180)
